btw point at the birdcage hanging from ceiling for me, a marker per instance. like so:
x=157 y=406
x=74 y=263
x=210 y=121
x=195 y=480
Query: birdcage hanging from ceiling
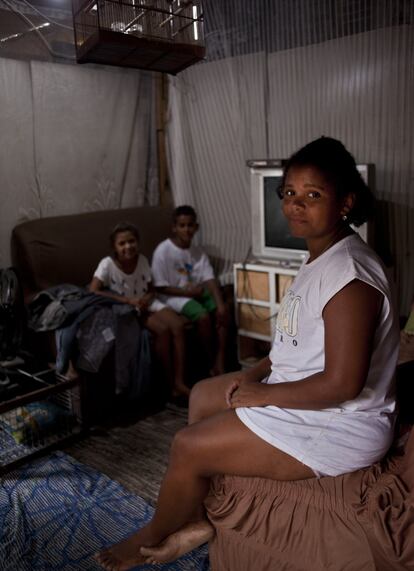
x=160 y=35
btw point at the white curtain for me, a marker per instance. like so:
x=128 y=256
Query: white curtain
x=73 y=139
x=279 y=74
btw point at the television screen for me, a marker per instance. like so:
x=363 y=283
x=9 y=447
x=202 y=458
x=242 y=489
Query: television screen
x=271 y=238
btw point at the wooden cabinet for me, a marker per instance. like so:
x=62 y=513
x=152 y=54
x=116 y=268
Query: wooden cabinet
x=259 y=289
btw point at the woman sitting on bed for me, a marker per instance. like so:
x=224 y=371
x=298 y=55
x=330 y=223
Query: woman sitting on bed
x=322 y=403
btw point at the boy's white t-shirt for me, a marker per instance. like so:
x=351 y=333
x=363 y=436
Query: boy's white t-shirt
x=355 y=433
x=177 y=267
x=128 y=285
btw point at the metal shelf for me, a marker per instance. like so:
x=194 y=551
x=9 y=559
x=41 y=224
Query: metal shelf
x=40 y=410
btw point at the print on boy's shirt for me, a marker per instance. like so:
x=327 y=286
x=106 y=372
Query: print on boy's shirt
x=189 y=269
x=185 y=271
x=287 y=318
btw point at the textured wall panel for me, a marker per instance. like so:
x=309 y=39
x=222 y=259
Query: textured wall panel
x=358 y=88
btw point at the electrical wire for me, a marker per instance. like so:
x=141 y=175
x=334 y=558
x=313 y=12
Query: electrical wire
x=34 y=29
x=47 y=17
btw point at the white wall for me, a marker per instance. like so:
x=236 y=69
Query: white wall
x=73 y=139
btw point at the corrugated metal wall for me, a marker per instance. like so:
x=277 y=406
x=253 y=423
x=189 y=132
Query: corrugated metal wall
x=291 y=73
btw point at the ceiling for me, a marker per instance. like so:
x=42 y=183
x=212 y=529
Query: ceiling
x=19 y=38
x=232 y=27
x=43 y=29
x=59 y=5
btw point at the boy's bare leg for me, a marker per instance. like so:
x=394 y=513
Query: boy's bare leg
x=175 y=324
x=220 y=444
x=162 y=342
x=71 y=372
x=212 y=337
x=167 y=332
x=220 y=362
x=205 y=334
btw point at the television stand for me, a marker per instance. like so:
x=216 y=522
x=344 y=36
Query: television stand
x=276 y=262
x=259 y=287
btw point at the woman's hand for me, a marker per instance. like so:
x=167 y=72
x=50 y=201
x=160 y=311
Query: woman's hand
x=248 y=394
x=246 y=388
x=251 y=376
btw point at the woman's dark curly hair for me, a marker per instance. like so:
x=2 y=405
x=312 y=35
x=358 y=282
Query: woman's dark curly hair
x=337 y=164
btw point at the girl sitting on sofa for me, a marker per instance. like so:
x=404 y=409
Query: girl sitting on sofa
x=126 y=277
x=322 y=403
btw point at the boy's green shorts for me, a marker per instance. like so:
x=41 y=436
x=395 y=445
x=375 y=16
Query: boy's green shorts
x=194 y=309
x=409 y=326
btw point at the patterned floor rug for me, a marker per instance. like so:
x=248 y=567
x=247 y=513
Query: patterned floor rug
x=134 y=453
x=55 y=513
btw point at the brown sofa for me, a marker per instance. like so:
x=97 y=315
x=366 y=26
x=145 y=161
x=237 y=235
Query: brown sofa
x=67 y=249
x=361 y=521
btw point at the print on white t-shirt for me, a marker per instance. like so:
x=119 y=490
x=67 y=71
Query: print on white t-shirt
x=287 y=318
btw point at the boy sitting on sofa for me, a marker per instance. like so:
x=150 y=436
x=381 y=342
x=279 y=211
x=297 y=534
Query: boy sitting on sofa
x=184 y=280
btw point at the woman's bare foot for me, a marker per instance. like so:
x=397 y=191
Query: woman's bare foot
x=182 y=541
x=123 y=555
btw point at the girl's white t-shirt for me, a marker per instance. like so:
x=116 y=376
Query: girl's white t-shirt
x=135 y=284
x=358 y=432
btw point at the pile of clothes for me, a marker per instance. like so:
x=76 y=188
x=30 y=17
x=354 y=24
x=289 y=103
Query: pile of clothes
x=87 y=326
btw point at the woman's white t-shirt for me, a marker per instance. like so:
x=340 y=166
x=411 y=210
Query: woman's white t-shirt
x=129 y=285
x=358 y=432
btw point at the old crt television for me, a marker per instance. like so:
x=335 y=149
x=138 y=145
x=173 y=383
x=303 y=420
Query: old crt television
x=271 y=238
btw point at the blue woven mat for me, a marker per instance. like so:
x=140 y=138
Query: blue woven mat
x=56 y=513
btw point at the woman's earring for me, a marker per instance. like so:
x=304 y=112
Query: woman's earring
x=344 y=217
